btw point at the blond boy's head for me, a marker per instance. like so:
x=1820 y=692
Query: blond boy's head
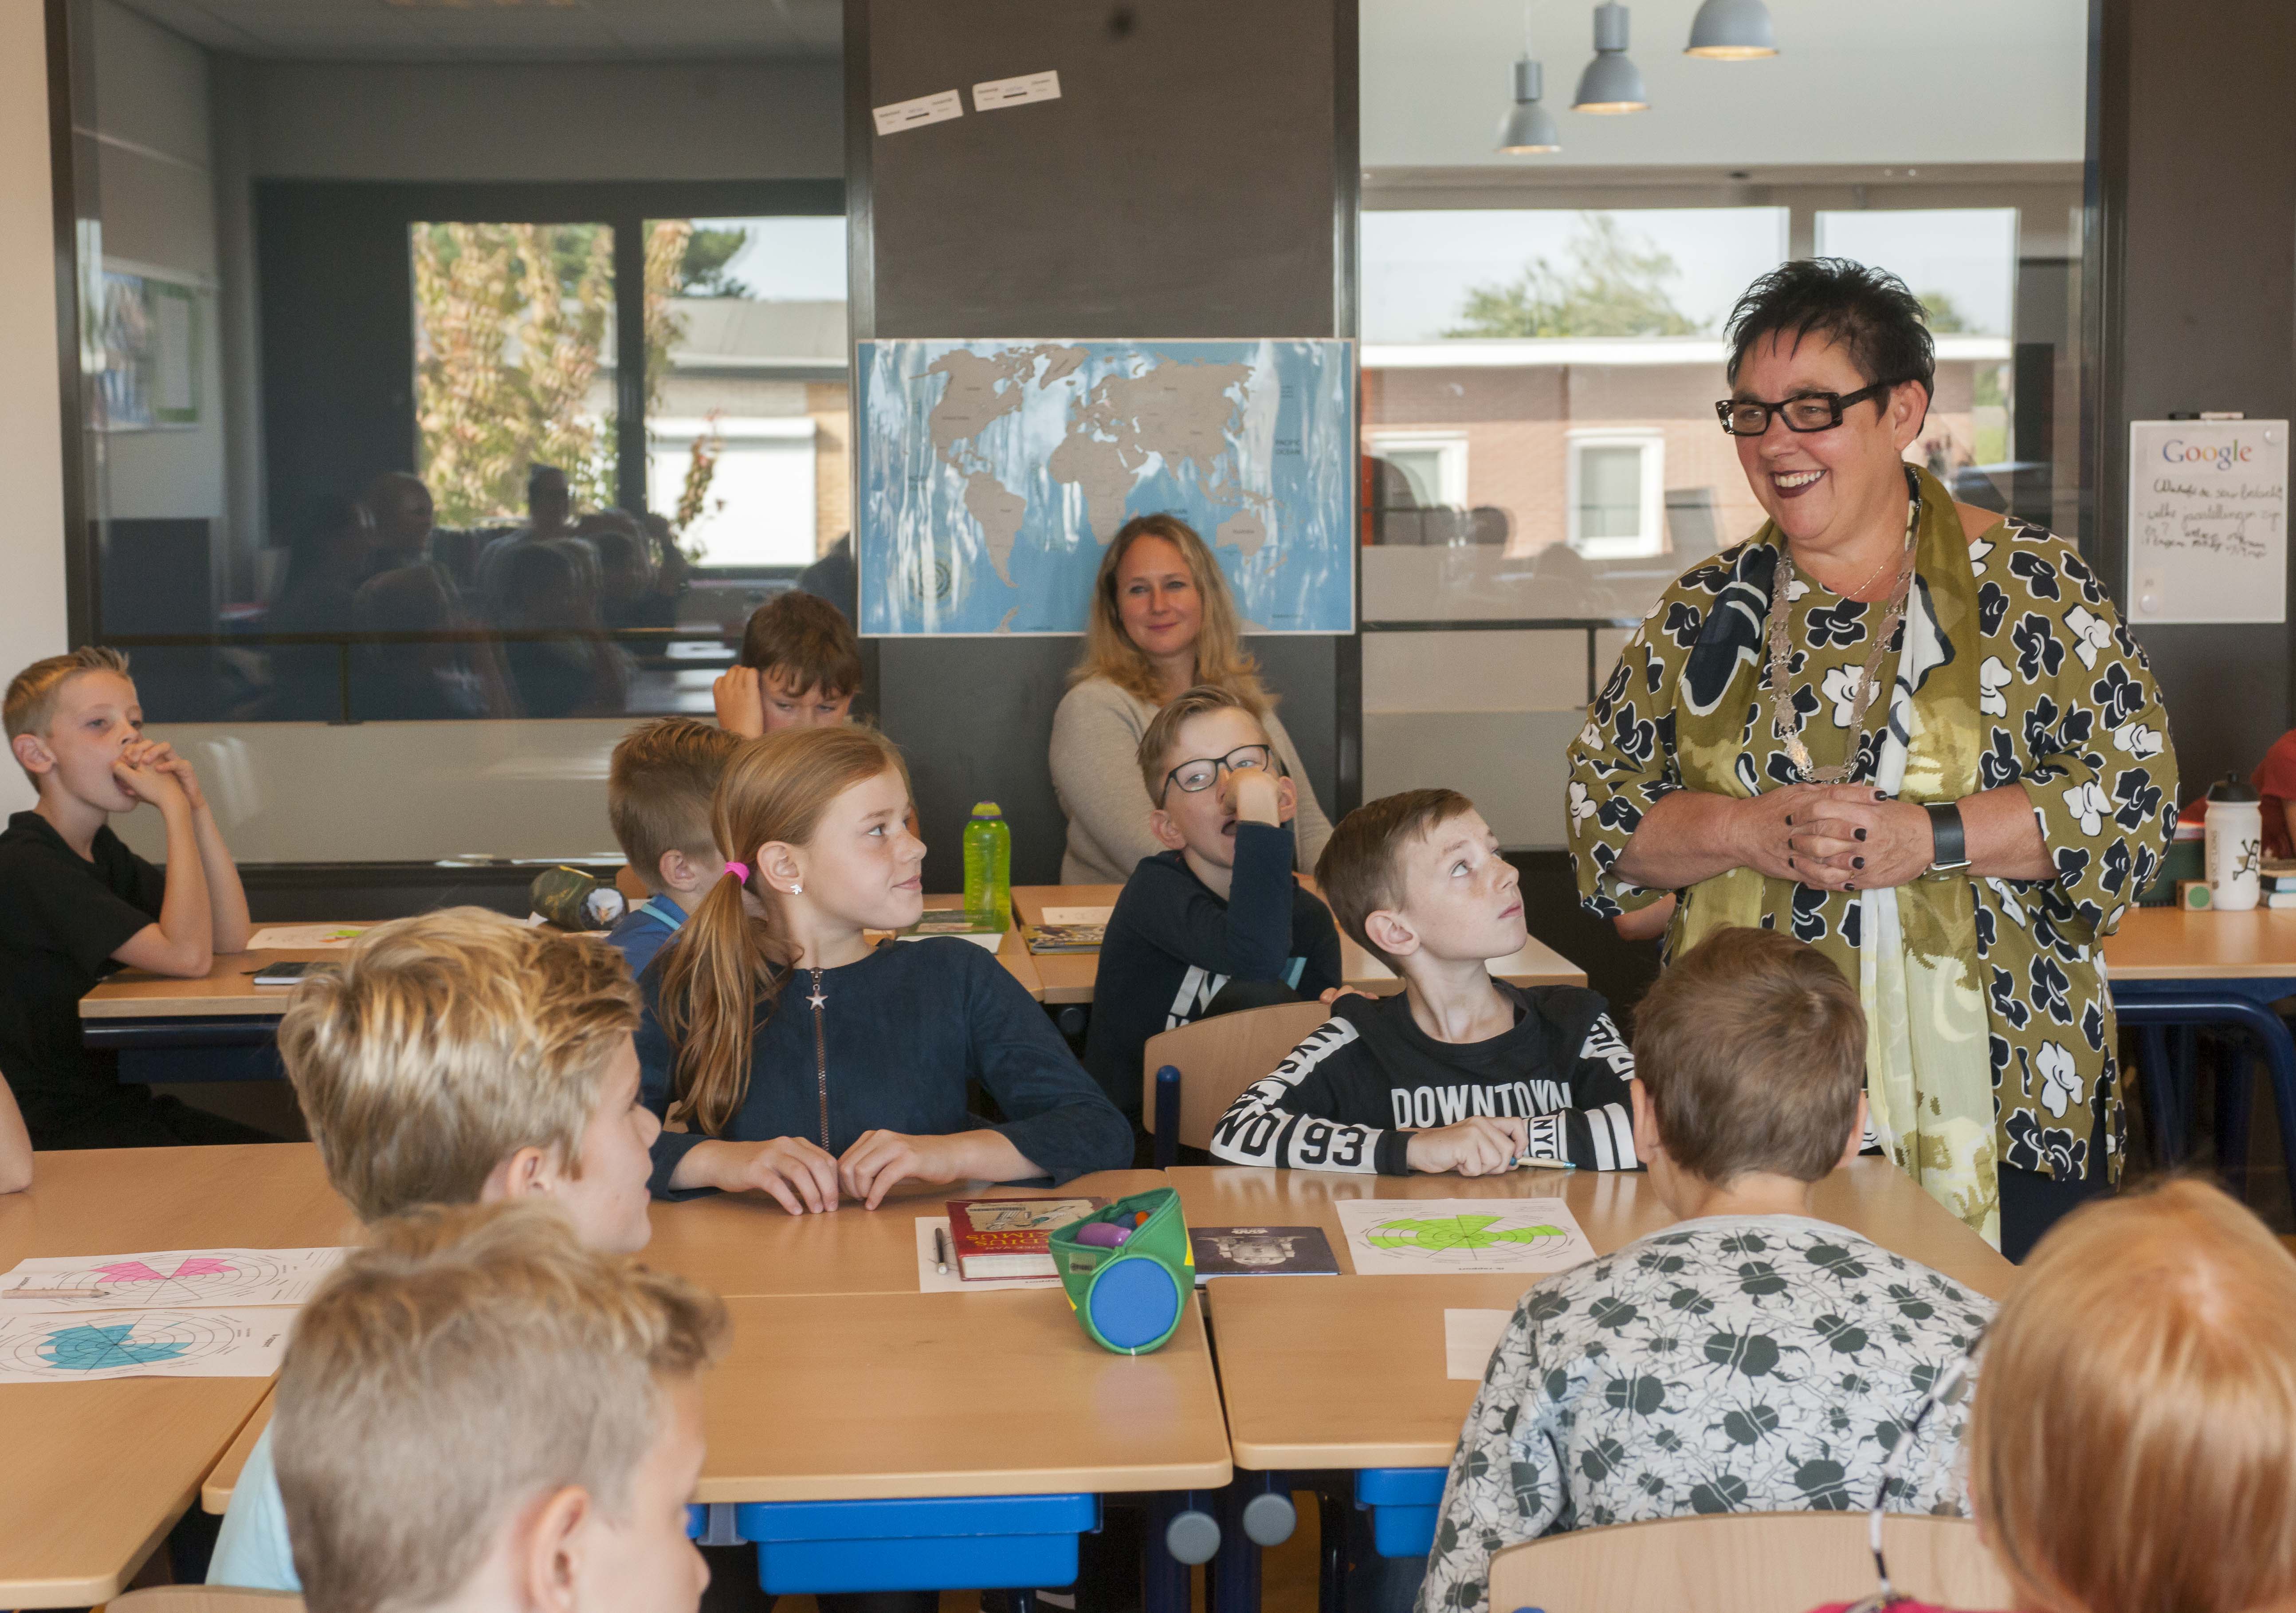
x=2134 y=1442
x=1417 y=876
x=1750 y=1055
x=461 y=1055
x=90 y=691
x=807 y=658
x=476 y=1394
x=657 y=790
x=1194 y=746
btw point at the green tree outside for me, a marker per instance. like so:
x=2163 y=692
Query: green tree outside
x=1615 y=283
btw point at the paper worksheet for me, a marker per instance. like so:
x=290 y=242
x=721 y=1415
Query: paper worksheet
x=929 y=1281
x=172 y=1278
x=1422 y=1236
x=303 y=937
x=1077 y=915
x=1469 y=1337
x=53 y=1347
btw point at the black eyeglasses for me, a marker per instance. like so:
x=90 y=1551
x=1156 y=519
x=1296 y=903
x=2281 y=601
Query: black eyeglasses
x=1204 y=771
x=1803 y=412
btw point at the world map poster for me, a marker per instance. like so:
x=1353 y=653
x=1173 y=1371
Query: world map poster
x=991 y=475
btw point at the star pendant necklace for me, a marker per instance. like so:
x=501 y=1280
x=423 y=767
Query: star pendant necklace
x=1785 y=721
x=817 y=1000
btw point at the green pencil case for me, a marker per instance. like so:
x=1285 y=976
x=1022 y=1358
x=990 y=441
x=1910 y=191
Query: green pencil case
x=1128 y=1297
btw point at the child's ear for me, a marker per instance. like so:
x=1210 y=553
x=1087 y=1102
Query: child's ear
x=32 y=752
x=529 y=1170
x=1856 y=1134
x=1390 y=933
x=674 y=871
x=1287 y=799
x=778 y=866
x=547 y=1548
x=1647 y=1147
x=1167 y=833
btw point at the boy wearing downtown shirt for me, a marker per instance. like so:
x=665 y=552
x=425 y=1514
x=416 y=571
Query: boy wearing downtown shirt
x=1456 y=1071
x=1217 y=922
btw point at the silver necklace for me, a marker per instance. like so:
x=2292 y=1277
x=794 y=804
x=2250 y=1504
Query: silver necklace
x=1785 y=720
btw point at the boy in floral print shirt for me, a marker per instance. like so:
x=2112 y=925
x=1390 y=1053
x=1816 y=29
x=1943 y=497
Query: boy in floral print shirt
x=1751 y=1358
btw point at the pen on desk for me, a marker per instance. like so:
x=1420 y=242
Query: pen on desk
x=940 y=1250
x=1544 y=1165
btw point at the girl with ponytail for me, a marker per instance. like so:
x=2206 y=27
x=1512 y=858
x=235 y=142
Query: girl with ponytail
x=810 y=1065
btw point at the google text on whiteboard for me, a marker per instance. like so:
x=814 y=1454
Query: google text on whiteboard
x=2208 y=521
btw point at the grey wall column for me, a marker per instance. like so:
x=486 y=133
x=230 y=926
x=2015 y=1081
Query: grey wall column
x=1197 y=178
x=2190 y=287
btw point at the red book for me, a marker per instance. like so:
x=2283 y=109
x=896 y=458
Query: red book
x=997 y=1239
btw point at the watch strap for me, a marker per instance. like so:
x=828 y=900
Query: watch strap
x=1952 y=842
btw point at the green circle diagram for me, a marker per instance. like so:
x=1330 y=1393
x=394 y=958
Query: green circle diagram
x=1441 y=1235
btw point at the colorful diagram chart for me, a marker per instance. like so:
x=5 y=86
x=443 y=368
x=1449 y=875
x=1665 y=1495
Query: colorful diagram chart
x=168 y=1277
x=1428 y=1236
x=68 y=1349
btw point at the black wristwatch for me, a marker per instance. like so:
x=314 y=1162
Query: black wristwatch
x=1951 y=853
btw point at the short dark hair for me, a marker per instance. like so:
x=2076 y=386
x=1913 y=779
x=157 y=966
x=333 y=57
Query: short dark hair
x=808 y=641
x=1358 y=872
x=1880 y=325
x=1752 y=1048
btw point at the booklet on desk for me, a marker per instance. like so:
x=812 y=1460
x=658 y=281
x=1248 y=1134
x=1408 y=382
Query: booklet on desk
x=1262 y=1252
x=985 y=930
x=1063 y=937
x=999 y=1238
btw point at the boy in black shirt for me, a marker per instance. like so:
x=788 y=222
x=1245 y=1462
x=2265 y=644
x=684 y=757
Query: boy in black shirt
x=76 y=903
x=1217 y=922
x=1457 y=1072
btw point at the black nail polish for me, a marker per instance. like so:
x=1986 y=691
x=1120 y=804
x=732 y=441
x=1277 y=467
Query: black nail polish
x=1789 y=820
x=1861 y=834
x=1878 y=795
x=1856 y=862
x=1790 y=862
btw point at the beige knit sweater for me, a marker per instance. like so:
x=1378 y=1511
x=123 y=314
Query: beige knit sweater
x=1096 y=775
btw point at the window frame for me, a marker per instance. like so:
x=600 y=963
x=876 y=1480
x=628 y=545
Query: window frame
x=1450 y=462
x=1652 y=440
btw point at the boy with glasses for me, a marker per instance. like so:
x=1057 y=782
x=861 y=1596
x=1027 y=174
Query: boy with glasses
x=1216 y=922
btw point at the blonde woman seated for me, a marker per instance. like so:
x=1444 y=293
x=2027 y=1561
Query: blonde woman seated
x=2133 y=1446
x=1162 y=620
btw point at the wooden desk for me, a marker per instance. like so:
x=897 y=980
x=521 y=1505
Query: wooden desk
x=2169 y=944
x=877 y=1395
x=746 y=1246
x=215 y=1495
x=135 y=1000
x=1069 y=977
x=98 y=1473
x=1348 y=1372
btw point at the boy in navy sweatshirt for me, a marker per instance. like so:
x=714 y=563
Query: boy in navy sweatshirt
x=1217 y=922
x=1457 y=1072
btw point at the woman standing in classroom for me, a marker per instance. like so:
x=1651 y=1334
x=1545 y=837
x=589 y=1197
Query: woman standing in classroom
x=1162 y=620
x=1905 y=731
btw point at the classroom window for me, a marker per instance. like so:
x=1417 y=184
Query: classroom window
x=1616 y=494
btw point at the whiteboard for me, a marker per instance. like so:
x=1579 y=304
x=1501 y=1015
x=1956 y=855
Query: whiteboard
x=2208 y=521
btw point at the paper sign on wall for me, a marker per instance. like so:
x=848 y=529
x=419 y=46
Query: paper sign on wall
x=996 y=93
x=915 y=114
x=2208 y=521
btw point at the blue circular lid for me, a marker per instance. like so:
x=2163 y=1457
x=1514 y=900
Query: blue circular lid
x=1135 y=1303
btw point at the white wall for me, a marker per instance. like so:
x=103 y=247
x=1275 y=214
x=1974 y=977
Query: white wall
x=1855 y=81
x=31 y=440
x=560 y=120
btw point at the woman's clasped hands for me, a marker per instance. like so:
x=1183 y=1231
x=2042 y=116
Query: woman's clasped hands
x=1835 y=837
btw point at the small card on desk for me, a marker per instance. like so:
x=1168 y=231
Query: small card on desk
x=1261 y=1251
x=1063 y=937
x=986 y=930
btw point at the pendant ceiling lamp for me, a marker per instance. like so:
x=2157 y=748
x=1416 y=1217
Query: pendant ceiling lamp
x=1612 y=82
x=1731 y=30
x=1529 y=128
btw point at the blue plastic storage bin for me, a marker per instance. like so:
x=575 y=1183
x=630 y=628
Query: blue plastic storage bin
x=1403 y=1503
x=956 y=1543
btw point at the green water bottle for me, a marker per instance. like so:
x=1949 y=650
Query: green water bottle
x=989 y=862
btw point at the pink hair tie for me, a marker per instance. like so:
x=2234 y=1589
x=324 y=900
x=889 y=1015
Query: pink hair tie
x=739 y=870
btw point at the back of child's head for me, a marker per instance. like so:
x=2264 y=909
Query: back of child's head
x=808 y=641
x=728 y=964
x=1161 y=741
x=2134 y=1442
x=659 y=787
x=466 y=1363
x=1751 y=1047
x=30 y=706
x=1361 y=870
x=444 y=1044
